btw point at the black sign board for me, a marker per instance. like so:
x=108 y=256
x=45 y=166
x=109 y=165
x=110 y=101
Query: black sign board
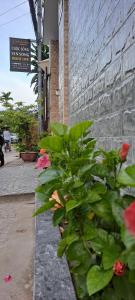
x=20 y=55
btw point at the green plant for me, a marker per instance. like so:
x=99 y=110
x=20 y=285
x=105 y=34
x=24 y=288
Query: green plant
x=85 y=187
x=23 y=121
x=5 y=99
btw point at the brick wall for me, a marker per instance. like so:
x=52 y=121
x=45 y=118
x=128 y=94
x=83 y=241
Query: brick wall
x=102 y=68
x=63 y=60
x=54 y=86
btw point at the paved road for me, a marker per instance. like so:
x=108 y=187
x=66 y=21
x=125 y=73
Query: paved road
x=17 y=177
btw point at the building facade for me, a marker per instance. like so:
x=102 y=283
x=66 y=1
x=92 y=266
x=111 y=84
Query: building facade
x=92 y=66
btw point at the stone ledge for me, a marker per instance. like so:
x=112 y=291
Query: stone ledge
x=52 y=280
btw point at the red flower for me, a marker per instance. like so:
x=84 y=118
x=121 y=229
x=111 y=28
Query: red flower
x=119 y=268
x=124 y=151
x=43 y=162
x=129 y=218
x=7 y=278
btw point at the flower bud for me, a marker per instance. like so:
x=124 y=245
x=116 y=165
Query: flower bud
x=119 y=268
x=124 y=151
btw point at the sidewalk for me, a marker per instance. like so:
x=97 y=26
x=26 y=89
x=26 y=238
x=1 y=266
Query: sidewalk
x=17 y=177
x=11 y=156
x=17 y=227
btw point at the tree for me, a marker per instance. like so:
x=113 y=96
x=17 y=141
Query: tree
x=34 y=64
x=5 y=99
x=23 y=121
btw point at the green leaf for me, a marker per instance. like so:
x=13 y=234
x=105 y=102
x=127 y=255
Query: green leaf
x=93 y=196
x=117 y=212
x=127 y=199
x=97 y=279
x=127 y=238
x=84 y=170
x=109 y=294
x=90 y=232
x=127 y=176
x=131 y=260
x=72 y=204
x=102 y=240
x=103 y=210
x=41 y=196
x=99 y=188
x=44 y=208
x=79 y=129
x=52 y=143
x=59 y=128
x=74 y=252
x=58 y=216
x=132 y=276
x=66 y=242
x=131 y=171
x=91 y=144
x=99 y=170
x=77 y=252
x=124 y=288
x=83 y=267
x=77 y=163
x=111 y=196
x=78 y=184
x=49 y=175
x=71 y=238
x=81 y=288
x=61 y=247
x=110 y=255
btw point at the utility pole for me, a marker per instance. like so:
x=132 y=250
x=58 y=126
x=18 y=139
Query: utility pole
x=33 y=15
x=39 y=50
x=36 y=15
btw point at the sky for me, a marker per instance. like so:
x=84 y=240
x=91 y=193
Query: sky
x=16 y=82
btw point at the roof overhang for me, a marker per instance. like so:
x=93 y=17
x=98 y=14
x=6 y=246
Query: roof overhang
x=50 y=21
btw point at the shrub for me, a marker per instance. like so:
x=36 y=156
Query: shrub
x=85 y=188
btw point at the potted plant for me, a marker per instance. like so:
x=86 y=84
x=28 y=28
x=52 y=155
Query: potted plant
x=28 y=146
x=22 y=120
x=27 y=129
x=87 y=189
x=28 y=153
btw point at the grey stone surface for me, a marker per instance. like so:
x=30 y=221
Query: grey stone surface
x=52 y=277
x=18 y=179
x=102 y=67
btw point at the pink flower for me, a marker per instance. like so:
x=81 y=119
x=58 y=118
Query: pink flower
x=119 y=268
x=43 y=162
x=7 y=278
x=129 y=218
x=124 y=151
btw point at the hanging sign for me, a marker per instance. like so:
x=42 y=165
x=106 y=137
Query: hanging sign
x=20 y=55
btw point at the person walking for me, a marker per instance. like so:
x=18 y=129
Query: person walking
x=7 y=138
x=1 y=152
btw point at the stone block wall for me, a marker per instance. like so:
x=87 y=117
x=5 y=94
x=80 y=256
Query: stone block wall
x=102 y=68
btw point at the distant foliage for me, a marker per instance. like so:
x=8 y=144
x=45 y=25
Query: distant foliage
x=21 y=119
